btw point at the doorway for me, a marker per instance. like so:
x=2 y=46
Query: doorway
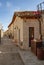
x=31 y=35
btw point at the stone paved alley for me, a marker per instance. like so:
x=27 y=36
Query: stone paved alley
x=10 y=54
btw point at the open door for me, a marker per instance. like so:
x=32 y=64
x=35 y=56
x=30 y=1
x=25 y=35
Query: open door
x=31 y=35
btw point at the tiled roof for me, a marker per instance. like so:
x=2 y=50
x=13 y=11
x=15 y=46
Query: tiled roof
x=23 y=14
x=27 y=13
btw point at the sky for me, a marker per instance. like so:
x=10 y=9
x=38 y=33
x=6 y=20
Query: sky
x=8 y=7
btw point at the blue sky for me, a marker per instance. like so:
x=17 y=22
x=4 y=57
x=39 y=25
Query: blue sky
x=8 y=7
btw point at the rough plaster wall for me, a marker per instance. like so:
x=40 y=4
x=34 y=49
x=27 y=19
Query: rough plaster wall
x=18 y=23
x=43 y=27
x=9 y=30
x=12 y=29
x=1 y=33
x=26 y=25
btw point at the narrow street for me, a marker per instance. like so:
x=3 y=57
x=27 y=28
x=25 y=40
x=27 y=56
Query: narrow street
x=9 y=53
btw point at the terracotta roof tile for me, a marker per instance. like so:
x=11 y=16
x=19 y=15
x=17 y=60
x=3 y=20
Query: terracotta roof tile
x=24 y=14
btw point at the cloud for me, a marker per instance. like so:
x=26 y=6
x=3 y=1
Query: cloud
x=17 y=9
x=8 y=4
x=21 y=9
x=0 y=4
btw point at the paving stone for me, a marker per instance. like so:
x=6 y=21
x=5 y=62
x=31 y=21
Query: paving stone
x=12 y=55
x=29 y=58
x=11 y=59
x=9 y=53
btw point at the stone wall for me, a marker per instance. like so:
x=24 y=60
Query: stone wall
x=42 y=28
x=26 y=24
x=11 y=30
x=2 y=33
x=18 y=29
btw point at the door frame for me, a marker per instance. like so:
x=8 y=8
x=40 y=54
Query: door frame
x=31 y=28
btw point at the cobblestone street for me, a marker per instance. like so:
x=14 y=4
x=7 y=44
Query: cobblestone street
x=9 y=53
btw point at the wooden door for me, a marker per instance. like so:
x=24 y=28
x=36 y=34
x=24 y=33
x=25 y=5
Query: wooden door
x=31 y=35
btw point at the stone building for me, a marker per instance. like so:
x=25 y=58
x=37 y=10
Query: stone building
x=42 y=25
x=25 y=27
x=1 y=30
x=2 y=33
x=10 y=29
x=6 y=33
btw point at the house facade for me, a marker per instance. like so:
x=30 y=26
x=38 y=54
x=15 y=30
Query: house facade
x=1 y=30
x=42 y=26
x=25 y=28
x=6 y=33
x=2 y=33
x=10 y=29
